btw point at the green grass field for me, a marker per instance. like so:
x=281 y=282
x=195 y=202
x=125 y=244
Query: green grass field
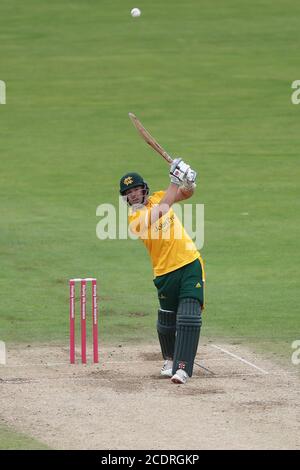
x=11 y=440
x=212 y=81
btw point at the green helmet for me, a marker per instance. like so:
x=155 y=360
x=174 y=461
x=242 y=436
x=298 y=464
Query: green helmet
x=132 y=180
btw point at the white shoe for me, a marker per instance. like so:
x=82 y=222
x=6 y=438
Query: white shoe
x=180 y=377
x=166 y=369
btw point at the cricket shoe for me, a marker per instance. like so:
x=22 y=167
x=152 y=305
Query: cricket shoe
x=166 y=369
x=180 y=377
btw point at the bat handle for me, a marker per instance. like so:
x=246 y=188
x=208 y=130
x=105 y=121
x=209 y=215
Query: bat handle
x=168 y=158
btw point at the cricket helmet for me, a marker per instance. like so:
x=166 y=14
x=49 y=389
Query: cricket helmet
x=132 y=180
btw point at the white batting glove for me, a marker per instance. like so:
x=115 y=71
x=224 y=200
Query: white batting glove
x=190 y=176
x=189 y=179
x=178 y=171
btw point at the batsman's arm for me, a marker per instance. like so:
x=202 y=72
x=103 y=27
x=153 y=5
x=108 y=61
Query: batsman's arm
x=165 y=204
x=173 y=194
x=180 y=188
x=184 y=193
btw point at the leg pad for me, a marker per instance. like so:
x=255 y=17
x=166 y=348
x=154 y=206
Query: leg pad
x=166 y=329
x=188 y=328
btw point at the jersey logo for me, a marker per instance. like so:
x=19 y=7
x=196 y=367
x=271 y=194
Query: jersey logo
x=128 y=180
x=198 y=285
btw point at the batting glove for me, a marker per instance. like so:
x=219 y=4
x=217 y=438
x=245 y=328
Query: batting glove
x=190 y=176
x=178 y=171
x=189 y=180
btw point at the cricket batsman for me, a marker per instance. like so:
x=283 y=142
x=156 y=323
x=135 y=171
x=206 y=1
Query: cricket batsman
x=177 y=265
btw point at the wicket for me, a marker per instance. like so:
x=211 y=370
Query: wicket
x=83 y=283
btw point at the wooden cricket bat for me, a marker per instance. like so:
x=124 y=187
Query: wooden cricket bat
x=149 y=139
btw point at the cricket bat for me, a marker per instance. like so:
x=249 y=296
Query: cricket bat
x=149 y=139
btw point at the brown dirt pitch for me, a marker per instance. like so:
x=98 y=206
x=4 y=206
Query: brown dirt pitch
x=123 y=403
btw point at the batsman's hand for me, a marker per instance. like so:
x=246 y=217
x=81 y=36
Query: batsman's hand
x=189 y=180
x=178 y=171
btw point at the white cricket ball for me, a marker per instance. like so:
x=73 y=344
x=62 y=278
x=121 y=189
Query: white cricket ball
x=135 y=12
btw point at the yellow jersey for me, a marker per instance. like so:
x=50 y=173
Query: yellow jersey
x=168 y=244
